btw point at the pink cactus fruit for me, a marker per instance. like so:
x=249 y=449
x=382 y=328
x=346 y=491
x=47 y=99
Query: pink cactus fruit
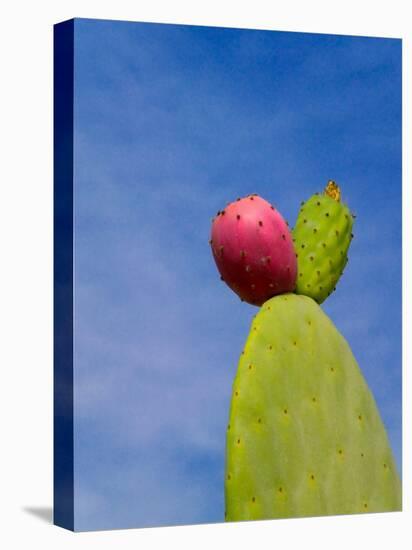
x=253 y=250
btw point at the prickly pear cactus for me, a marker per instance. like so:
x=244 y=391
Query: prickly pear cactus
x=304 y=437
x=322 y=235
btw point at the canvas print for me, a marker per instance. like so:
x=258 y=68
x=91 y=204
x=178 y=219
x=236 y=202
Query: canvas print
x=227 y=275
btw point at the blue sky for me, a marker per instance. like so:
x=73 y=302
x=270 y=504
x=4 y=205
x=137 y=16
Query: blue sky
x=171 y=123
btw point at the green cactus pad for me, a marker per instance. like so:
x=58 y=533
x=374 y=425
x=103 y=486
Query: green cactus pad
x=322 y=235
x=304 y=436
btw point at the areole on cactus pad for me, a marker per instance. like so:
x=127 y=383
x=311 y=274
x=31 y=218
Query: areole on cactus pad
x=253 y=250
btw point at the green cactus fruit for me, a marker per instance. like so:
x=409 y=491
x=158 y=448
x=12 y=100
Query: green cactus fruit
x=322 y=235
x=304 y=437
